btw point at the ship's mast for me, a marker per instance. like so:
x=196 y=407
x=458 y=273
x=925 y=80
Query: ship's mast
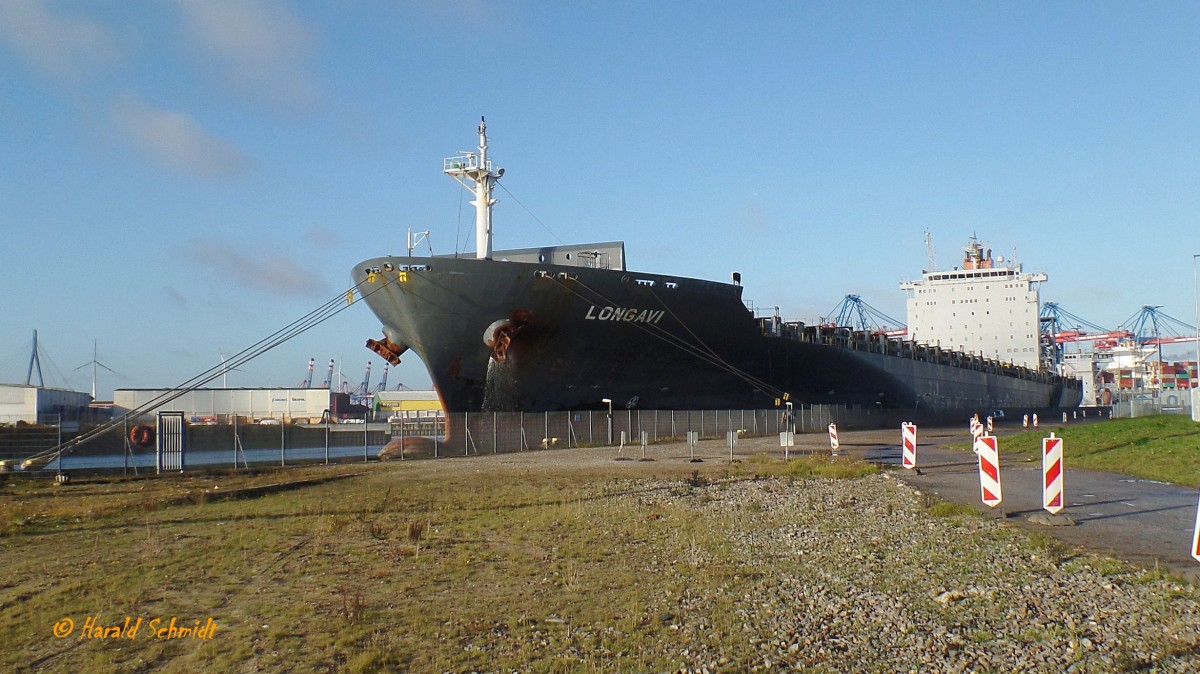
x=474 y=172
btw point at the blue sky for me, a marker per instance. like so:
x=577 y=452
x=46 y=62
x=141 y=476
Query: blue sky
x=183 y=178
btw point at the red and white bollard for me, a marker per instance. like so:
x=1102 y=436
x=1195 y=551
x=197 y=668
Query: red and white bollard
x=833 y=441
x=991 y=425
x=976 y=433
x=989 y=471
x=1025 y=421
x=1035 y=421
x=908 y=452
x=1052 y=474
x=1196 y=536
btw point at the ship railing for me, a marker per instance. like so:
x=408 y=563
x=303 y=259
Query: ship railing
x=861 y=340
x=595 y=260
x=463 y=162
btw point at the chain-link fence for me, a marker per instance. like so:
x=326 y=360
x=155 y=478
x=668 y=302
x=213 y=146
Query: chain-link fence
x=232 y=442
x=498 y=432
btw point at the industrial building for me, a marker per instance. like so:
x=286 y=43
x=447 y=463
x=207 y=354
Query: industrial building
x=38 y=404
x=253 y=405
x=408 y=405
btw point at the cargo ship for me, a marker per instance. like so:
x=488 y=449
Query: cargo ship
x=569 y=327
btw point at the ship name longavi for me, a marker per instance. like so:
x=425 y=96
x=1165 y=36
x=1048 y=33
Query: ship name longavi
x=630 y=315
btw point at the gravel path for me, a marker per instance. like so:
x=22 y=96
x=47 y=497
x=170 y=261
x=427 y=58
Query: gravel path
x=861 y=575
x=855 y=575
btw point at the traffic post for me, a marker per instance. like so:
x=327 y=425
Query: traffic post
x=833 y=441
x=976 y=433
x=1052 y=474
x=1196 y=536
x=908 y=453
x=989 y=471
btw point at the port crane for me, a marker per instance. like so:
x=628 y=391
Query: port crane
x=307 y=383
x=1064 y=327
x=1154 y=328
x=853 y=312
x=362 y=388
x=1147 y=327
x=383 y=380
x=328 y=376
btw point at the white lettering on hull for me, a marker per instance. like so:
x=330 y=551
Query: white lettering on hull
x=626 y=315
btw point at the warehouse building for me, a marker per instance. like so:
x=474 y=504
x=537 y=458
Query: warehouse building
x=407 y=405
x=252 y=405
x=38 y=405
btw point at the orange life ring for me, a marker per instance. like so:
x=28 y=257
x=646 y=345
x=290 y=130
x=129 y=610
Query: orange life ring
x=141 y=435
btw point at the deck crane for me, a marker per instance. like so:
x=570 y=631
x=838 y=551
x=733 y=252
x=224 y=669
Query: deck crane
x=307 y=383
x=853 y=312
x=328 y=376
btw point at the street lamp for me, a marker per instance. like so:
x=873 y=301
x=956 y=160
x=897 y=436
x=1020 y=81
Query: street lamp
x=609 y=401
x=1196 y=298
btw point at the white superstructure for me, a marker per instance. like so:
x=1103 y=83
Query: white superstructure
x=983 y=307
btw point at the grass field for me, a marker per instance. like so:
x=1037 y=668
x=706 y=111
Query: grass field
x=405 y=566
x=495 y=564
x=1164 y=447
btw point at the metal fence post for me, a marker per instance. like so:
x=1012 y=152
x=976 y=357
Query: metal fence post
x=235 y=441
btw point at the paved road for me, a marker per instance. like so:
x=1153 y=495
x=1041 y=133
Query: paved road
x=1141 y=521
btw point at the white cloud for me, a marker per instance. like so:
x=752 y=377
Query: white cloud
x=270 y=272
x=57 y=45
x=260 y=47
x=324 y=238
x=175 y=140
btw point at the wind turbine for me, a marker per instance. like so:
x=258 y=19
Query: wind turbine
x=225 y=370
x=343 y=385
x=95 y=363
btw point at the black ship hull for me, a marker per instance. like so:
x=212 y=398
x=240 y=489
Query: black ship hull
x=501 y=335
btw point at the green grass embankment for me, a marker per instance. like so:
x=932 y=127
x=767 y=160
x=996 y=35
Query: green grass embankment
x=1164 y=447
